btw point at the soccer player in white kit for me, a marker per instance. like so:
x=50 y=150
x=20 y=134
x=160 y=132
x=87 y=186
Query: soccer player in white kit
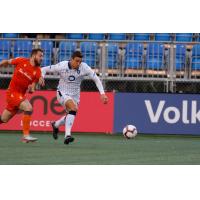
x=68 y=91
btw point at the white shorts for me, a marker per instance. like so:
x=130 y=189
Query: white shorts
x=63 y=98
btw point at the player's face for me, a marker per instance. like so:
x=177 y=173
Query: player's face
x=75 y=62
x=38 y=58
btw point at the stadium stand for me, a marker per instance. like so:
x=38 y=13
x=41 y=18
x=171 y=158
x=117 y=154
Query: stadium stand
x=162 y=37
x=184 y=37
x=96 y=36
x=117 y=36
x=75 y=36
x=112 y=58
x=47 y=46
x=10 y=35
x=195 y=60
x=156 y=56
x=180 y=60
x=180 y=56
x=65 y=50
x=5 y=49
x=134 y=63
x=90 y=54
x=141 y=36
x=197 y=37
x=155 y=59
x=22 y=48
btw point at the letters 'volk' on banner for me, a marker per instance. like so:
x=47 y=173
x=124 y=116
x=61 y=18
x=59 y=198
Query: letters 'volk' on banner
x=92 y=116
x=158 y=113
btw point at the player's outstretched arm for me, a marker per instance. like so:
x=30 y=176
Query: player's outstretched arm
x=52 y=68
x=99 y=85
x=5 y=63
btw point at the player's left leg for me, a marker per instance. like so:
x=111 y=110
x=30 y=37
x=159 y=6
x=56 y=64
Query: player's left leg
x=55 y=124
x=28 y=110
x=72 y=108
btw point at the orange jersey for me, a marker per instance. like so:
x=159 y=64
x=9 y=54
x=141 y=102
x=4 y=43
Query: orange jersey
x=24 y=75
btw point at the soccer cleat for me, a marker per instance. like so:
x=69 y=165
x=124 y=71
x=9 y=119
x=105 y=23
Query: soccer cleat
x=55 y=131
x=68 y=139
x=27 y=139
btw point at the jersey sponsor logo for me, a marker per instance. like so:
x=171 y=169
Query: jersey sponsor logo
x=25 y=74
x=71 y=78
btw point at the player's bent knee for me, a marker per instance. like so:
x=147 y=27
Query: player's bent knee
x=3 y=120
x=72 y=108
x=75 y=109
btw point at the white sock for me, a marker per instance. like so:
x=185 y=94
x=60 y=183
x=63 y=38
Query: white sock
x=59 y=122
x=68 y=124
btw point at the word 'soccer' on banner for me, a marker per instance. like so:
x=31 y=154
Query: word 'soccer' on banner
x=92 y=116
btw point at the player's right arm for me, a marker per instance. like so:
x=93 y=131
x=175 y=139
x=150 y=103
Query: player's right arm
x=13 y=61
x=53 y=68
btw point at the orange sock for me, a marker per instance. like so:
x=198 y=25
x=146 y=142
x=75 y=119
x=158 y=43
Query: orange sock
x=26 y=124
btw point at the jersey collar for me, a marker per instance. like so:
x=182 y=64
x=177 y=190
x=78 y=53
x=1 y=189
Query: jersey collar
x=69 y=65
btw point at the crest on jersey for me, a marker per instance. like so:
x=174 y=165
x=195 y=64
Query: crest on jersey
x=71 y=78
x=34 y=73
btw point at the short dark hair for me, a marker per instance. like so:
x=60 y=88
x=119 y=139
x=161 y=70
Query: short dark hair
x=77 y=54
x=34 y=51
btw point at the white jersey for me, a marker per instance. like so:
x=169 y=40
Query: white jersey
x=70 y=79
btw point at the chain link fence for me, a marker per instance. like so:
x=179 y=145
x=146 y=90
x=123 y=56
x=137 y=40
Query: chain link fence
x=123 y=66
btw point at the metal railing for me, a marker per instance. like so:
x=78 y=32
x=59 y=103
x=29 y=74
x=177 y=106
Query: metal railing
x=118 y=63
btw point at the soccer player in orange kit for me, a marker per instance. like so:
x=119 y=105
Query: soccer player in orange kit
x=26 y=74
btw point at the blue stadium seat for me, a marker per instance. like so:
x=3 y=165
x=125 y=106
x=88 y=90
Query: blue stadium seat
x=184 y=37
x=96 y=36
x=180 y=61
x=65 y=50
x=75 y=36
x=10 y=35
x=112 y=55
x=47 y=46
x=198 y=37
x=155 y=56
x=196 y=57
x=162 y=37
x=133 y=55
x=5 y=49
x=141 y=36
x=22 y=48
x=89 y=51
x=117 y=36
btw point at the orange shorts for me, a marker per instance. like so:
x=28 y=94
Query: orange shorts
x=14 y=100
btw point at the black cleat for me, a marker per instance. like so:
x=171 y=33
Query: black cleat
x=55 y=131
x=68 y=139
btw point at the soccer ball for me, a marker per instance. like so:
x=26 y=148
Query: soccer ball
x=129 y=131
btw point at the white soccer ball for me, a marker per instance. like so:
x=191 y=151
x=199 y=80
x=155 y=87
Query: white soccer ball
x=129 y=131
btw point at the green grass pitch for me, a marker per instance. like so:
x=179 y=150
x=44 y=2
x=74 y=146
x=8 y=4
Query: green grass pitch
x=95 y=149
